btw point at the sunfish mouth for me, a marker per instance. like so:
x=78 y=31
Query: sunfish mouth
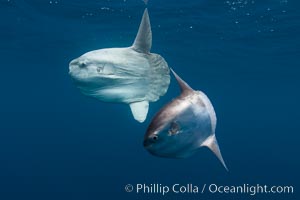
x=73 y=62
x=147 y=144
x=149 y=141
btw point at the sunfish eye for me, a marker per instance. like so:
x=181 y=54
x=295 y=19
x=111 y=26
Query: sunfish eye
x=174 y=128
x=155 y=137
x=82 y=65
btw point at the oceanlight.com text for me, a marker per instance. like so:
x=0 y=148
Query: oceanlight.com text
x=246 y=189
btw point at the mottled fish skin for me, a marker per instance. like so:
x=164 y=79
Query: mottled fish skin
x=183 y=126
x=130 y=75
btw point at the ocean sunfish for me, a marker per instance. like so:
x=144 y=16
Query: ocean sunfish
x=183 y=126
x=130 y=75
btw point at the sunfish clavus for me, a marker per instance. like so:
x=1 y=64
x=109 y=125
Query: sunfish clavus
x=183 y=126
x=130 y=75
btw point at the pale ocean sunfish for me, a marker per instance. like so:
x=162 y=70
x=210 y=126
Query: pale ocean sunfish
x=183 y=126
x=130 y=75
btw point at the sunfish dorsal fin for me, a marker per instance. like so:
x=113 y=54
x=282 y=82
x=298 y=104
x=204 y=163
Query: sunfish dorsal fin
x=139 y=110
x=185 y=88
x=212 y=144
x=143 y=39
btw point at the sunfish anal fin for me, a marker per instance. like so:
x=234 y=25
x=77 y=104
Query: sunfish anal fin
x=143 y=40
x=139 y=110
x=212 y=144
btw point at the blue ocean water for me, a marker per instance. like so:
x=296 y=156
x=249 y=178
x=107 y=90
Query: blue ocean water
x=56 y=143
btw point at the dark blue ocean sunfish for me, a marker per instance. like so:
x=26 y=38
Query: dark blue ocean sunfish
x=130 y=75
x=183 y=126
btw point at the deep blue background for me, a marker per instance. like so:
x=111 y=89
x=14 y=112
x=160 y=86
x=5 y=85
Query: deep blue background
x=56 y=143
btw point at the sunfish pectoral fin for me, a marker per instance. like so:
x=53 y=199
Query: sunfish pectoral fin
x=139 y=110
x=143 y=40
x=212 y=144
